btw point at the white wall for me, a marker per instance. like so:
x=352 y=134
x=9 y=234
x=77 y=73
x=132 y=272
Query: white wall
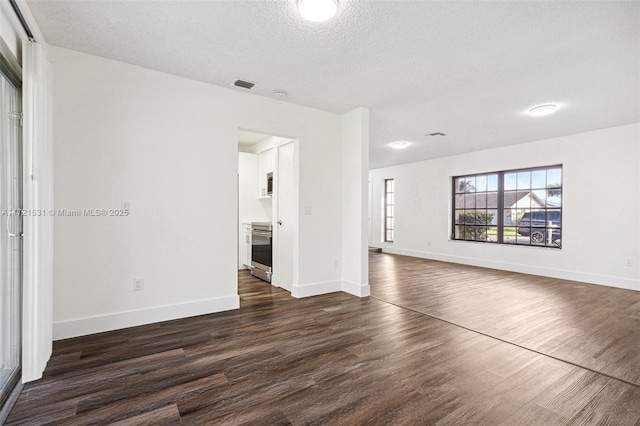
x=601 y=191
x=169 y=146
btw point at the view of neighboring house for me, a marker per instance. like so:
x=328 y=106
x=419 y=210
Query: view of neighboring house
x=516 y=203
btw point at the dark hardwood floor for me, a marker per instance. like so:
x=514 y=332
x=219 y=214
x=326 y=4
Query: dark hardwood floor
x=338 y=359
x=592 y=326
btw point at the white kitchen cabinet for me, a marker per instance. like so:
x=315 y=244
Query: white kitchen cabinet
x=265 y=165
x=246 y=245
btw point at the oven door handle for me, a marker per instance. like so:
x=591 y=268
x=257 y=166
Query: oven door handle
x=261 y=233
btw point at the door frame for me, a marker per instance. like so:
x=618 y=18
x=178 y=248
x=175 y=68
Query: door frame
x=12 y=71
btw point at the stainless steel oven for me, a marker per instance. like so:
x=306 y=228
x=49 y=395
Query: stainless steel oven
x=261 y=250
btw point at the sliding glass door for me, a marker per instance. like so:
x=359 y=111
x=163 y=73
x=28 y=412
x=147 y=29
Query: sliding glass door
x=10 y=236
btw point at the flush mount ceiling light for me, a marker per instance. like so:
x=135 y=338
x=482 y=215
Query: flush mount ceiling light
x=399 y=144
x=317 y=10
x=540 y=110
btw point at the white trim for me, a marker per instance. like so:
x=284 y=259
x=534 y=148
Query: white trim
x=315 y=289
x=37 y=287
x=101 y=323
x=605 y=280
x=360 y=290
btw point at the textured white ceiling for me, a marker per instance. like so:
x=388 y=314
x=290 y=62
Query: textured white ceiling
x=467 y=69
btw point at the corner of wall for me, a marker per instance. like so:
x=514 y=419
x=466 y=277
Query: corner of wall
x=359 y=290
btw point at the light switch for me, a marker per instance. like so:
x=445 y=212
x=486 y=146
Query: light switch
x=307 y=210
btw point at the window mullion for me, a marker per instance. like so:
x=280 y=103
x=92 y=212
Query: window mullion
x=500 y=234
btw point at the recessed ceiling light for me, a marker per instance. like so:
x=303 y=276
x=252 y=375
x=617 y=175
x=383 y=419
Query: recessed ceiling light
x=317 y=10
x=540 y=110
x=399 y=144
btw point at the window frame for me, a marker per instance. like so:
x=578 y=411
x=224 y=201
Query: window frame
x=386 y=228
x=500 y=207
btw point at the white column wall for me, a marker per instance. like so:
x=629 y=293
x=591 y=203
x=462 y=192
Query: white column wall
x=355 y=198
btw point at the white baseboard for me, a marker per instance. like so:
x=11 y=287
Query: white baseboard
x=609 y=281
x=315 y=289
x=360 y=290
x=118 y=320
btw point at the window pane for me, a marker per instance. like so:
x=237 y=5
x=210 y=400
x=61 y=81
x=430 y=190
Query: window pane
x=492 y=234
x=469 y=217
x=524 y=180
x=492 y=200
x=460 y=216
x=470 y=233
x=509 y=235
x=459 y=201
x=481 y=233
x=522 y=217
x=554 y=218
x=510 y=199
x=554 y=198
x=470 y=201
x=523 y=200
x=509 y=217
x=538 y=198
x=539 y=179
x=481 y=200
x=459 y=232
x=492 y=217
x=466 y=184
x=509 y=181
x=554 y=178
x=556 y=239
x=492 y=183
x=481 y=183
x=482 y=218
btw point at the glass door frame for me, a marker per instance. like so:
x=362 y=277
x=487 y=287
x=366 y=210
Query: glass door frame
x=12 y=222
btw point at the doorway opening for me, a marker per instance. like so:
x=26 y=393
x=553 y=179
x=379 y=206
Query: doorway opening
x=267 y=209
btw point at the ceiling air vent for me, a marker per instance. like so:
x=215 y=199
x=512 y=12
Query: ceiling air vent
x=244 y=84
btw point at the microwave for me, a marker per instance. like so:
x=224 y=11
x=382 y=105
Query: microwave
x=270 y=183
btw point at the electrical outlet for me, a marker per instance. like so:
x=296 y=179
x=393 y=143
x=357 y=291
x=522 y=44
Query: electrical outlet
x=628 y=262
x=336 y=263
x=138 y=284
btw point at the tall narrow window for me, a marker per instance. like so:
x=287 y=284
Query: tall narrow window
x=388 y=210
x=510 y=207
